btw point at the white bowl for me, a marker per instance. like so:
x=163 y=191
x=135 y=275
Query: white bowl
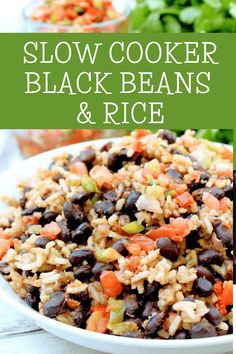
x=97 y=341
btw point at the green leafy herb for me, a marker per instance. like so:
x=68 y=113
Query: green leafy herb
x=184 y=16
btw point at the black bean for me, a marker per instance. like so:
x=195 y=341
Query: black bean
x=80 y=318
x=4 y=268
x=55 y=304
x=173 y=174
x=83 y=254
x=65 y=233
x=33 y=290
x=82 y=233
x=149 y=309
x=32 y=301
x=47 y=217
x=154 y=324
x=56 y=178
x=129 y=206
x=151 y=292
x=214 y=316
x=138 y=322
x=209 y=256
x=204 y=178
x=203 y=286
x=119 y=246
x=41 y=242
x=134 y=335
x=224 y=234
x=80 y=197
x=104 y=208
x=114 y=162
x=82 y=297
x=228 y=191
x=73 y=214
x=192 y=239
x=111 y=196
x=131 y=305
x=215 y=191
x=202 y=329
x=24 y=238
x=124 y=154
x=87 y=156
x=168 y=135
x=83 y=273
x=99 y=268
x=181 y=335
x=203 y=272
x=168 y=249
x=31 y=211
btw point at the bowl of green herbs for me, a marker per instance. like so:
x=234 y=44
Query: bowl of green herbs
x=180 y=16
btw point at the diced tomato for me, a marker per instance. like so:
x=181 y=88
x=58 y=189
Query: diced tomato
x=4 y=235
x=119 y=230
x=94 y=11
x=29 y=220
x=138 y=147
x=98 y=321
x=146 y=243
x=98 y=308
x=79 y=168
x=180 y=188
x=177 y=229
x=51 y=230
x=226 y=224
x=139 y=177
x=185 y=200
x=134 y=263
x=5 y=245
x=140 y=133
x=218 y=287
x=163 y=180
x=101 y=175
x=111 y=285
x=72 y=304
x=224 y=169
x=133 y=248
x=71 y=14
x=225 y=296
x=227 y=154
x=147 y=173
x=196 y=175
x=210 y=201
x=224 y=204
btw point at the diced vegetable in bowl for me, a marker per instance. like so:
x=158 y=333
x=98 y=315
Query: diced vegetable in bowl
x=77 y=16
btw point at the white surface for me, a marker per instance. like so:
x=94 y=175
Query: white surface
x=9 y=152
x=10 y=15
x=111 y=344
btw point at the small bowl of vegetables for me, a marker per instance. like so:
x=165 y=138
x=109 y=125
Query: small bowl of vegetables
x=82 y=16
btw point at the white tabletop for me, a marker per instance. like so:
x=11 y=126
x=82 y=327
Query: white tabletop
x=10 y=15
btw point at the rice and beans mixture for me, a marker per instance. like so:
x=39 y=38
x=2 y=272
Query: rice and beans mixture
x=133 y=239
